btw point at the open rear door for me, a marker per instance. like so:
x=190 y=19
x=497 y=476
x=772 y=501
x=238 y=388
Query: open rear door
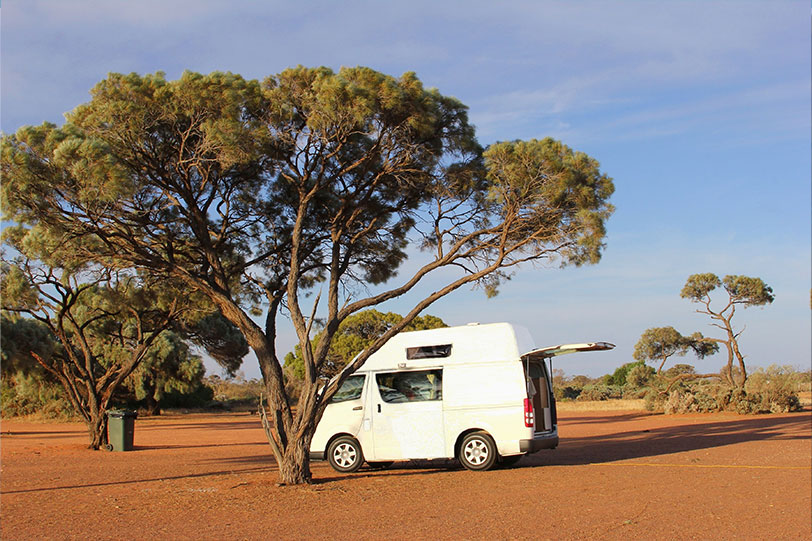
x=539 y=379
x=563 y=349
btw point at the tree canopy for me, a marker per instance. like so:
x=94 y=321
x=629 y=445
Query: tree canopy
x=257 y=194
x=658 y=344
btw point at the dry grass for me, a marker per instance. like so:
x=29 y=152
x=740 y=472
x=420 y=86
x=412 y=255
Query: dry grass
x=601 y=405
x=805 y=397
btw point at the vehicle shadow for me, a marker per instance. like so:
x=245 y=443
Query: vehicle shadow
x=658 y=441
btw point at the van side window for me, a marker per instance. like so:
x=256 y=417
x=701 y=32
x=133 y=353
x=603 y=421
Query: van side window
x=349 y=390
x=417 y=386
x=428 y=352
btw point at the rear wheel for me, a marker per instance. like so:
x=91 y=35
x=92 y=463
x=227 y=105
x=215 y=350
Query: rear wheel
x=344 y=454
x=478 y=451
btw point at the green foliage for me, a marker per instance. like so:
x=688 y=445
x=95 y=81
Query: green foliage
x=20 y=337
x=618 y=377
x=549 y=174
x=639 y=376
x=595 y=392
x=23 y=393
x=677 y=370
x=167 y=366
x=766 y=395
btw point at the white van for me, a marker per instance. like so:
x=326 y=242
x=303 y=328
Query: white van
x=479 y=393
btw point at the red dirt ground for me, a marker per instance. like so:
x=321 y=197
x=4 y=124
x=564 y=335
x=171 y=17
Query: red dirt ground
x=616 y=475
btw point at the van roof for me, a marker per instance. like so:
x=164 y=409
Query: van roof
x=493 y=342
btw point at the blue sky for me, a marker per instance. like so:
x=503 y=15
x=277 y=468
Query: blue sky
x=700 y=111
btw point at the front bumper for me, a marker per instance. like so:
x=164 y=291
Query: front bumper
x=543 y=440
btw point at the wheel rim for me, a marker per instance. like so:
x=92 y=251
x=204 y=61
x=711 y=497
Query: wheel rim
x=345 y=455
x=476 y=452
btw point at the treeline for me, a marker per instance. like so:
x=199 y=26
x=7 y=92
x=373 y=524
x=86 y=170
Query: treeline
x=680 y=389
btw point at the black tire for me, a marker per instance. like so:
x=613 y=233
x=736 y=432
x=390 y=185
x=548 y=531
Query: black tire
x=380 y=465
x=344 y=454
x=478 y=451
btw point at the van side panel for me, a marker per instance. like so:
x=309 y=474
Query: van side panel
x=488 y=397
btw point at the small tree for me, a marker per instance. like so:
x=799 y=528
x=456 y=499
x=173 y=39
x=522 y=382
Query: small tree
x=659 y=343
x=101 y=330
x=741 y=290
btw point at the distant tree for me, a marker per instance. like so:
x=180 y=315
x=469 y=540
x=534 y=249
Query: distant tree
x=618 y=377
x=658 y=344
x=354 y=334
x=169 y=365
x=679 y=369
x=580 y=381
x=258 y=194
x=639 y=376
x=741 y=291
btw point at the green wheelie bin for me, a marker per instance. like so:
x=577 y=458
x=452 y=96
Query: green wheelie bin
x=120 y=430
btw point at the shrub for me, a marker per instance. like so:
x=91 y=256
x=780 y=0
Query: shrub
x=28 y=394
x=600 y=392
x=706 y=397
x=639 y=376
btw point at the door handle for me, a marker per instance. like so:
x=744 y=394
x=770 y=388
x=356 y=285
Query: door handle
x=357 y=408
x=379 y=408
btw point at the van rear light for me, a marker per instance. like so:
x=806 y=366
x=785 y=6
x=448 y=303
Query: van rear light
x=529 y=416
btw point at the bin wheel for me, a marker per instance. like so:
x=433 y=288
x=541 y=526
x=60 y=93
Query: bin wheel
x=108 y=447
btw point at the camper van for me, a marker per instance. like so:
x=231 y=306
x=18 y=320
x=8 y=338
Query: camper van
x=479 y=393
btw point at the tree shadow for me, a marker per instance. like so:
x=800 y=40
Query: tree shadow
x=136 y=481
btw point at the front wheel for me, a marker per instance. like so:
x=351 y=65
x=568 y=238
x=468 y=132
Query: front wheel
x=344 y=454
x=478 y=451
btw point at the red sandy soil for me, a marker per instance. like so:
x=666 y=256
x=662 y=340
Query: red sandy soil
x=616 y=475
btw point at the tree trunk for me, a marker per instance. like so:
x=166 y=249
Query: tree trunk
x=152 y=405
x=97 y=428
x=295 y=466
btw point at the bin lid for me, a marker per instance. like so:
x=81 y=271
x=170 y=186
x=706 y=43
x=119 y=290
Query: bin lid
x=122 y=413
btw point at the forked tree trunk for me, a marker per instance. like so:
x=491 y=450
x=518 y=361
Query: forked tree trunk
x=294 y=469
x=97 y=428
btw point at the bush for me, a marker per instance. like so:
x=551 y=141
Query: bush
x=566 y=393
x=639 y=376
x=707 y=397
x=600 y=392
x=27 y=394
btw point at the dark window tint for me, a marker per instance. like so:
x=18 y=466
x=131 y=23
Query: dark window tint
x=350 y=389
x=428 y=352
x=417 y=386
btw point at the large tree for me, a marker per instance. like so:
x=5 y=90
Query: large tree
x=258 y=194
x=742 y=291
